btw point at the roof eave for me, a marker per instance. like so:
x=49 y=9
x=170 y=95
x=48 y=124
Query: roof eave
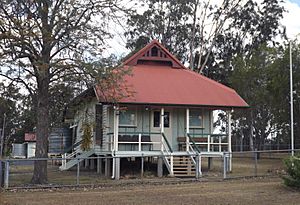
x=181 y=105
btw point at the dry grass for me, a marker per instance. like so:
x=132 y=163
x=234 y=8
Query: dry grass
x=243 y=165
x=21 y=176
x=238 y=191
x=243 y=191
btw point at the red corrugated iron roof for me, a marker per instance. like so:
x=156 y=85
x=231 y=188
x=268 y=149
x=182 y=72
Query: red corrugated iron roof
x=165 y=84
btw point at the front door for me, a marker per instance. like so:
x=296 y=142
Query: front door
x=155 y=123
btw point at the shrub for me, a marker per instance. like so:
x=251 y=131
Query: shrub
x=293 y=170
x=87 y=136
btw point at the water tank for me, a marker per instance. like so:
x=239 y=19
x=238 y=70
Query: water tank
x=31 y=149
x=19 y=150
x=60 y=139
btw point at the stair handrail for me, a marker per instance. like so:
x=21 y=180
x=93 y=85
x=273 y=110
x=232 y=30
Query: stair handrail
x=193 y=143
x=73 y=146
x=72 y=154
x=193 y=148
x=66 y=156
x=78 y=158
x=168 y=149
x=167 y=142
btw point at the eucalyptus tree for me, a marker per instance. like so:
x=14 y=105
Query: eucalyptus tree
x=164 y=20
x=251 y=25
x=43 y=42
x=207 y=35
x=9 y=113
x=251 y=79
x=279 y=86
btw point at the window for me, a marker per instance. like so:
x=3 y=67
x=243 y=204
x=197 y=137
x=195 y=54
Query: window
x=127 y=118
x=156 y=119
x=196 y=119
x=157 y=116
x=154 y=51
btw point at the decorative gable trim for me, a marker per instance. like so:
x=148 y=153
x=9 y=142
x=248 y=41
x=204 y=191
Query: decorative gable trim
x=154 y=53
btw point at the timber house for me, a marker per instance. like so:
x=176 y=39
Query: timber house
x=169 y=117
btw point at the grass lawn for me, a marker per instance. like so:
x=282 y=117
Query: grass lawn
x=238 y=191
x=243 y=165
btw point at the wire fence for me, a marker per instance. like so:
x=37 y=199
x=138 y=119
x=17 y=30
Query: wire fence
x=236 y=147
x=96 y=170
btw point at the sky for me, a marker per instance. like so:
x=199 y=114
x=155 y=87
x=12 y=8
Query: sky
x=291 y=19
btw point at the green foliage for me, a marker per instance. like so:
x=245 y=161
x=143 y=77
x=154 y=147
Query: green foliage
x=293 y=170
x=279 y=86
x=43 y=43
x=263 y=80
x=251 y=79
x=87 y=128
x=87 y=136
x=252 y=25
x=237 y=28
x=9 y=115
x=162 y=20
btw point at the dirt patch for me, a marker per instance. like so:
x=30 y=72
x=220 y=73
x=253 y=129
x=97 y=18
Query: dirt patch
x=241 y=191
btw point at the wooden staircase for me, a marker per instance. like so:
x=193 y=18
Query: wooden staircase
x=183 y=167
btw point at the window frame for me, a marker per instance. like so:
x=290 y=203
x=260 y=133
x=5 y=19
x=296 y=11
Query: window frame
x=153 y=118
x=201 y=120
x=135 y=118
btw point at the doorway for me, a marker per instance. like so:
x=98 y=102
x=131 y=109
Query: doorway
x=155 y=123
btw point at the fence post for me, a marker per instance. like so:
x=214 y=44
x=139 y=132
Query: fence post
x=172 y=164
x=1 y=174
x=197 y=167
x=6 y=174
x=65 y=160
x=224 y=166
x=255 y=165
x=200 y=164
x=78 y=170
x=142 y=166
x=160 y=166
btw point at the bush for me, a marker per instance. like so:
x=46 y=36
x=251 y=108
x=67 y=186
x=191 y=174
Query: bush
x=293 y=170
x=87 y=136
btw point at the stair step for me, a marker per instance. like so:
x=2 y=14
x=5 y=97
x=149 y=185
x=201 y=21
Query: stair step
x=183 y=165
x=184 y=168
x=73 y=161
x=187 y=163
x=184 y=176
x=180 y=161
x=183 y=171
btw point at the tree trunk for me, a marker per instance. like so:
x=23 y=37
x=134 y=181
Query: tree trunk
x=40 y=167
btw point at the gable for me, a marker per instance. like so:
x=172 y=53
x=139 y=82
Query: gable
x=154 y=54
